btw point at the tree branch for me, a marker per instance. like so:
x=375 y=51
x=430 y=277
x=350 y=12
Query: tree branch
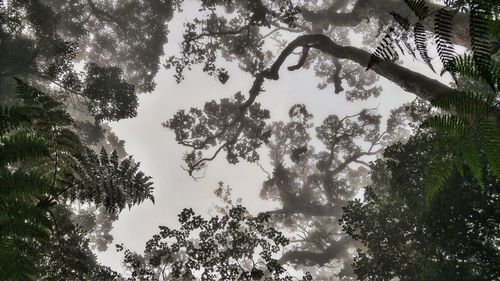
x=411 y=81
x=336 y=249
x=368 y=9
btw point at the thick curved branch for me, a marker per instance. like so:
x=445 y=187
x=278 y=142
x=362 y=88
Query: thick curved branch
x=302 y=60
x=411 y=81
x=368 y=9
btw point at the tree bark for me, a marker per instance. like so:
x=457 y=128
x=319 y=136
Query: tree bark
x=368 y=9
x=409 y=80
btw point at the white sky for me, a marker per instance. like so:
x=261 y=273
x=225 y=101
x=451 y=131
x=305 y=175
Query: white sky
x=161 y=157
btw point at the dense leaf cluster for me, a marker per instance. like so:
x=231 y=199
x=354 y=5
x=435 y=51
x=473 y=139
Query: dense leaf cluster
x=454 y=237
x=235 y=246
x=43 y=168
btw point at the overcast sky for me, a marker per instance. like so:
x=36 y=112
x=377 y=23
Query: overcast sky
x=161 y=157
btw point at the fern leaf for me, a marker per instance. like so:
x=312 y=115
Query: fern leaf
x=401 y=20
x=465 y=66
x=22 y=185
x=11 y=117
x=385 y=50
x=438 y=173
x=421 y=44
x=489 y=141
x=464 y=103
x=419 y=7
x=481 y=14
x=471 y=156
x=447 y=123
x=22 y=147
x=442 y=29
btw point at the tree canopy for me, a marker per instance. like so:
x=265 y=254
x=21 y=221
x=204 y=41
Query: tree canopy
x=410 y=194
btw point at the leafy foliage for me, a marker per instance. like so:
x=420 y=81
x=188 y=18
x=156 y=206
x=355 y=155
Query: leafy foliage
x=107 y=181
x=468 y=135
x=234 y=125
x=455 y=236
x=481 y=19
x=110 y=97
x=443 y=26
x=235 y=246
x=43 y=165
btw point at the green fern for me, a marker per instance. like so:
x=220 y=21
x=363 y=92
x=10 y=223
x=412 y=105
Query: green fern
x=489 y=138
x=481 y=14
x=107 y=181
x=442 y=30
x=438 y=173
x=24 y=228
x=21 y=185
x=467 y=135
x=469 y=104
x=22 y=146
x=447 y=123
x=468 y=150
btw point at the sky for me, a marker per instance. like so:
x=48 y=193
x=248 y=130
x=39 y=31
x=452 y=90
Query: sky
x=161 y=157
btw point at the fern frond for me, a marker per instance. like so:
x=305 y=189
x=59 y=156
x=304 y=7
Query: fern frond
x=481 y=14
x=24 y=228
x=401 y=20
x=470 y=154
x=22 y=146
x=419 y=7
x=420 y=36
x=464 y=103
x=385 y=50
x=11 y=118
x=447 y=123
x=438 y=173
x=489 y=140
x=22 y=185
x=45 y=110
x=442 y=28
x=106 y=181
x=465 y=66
